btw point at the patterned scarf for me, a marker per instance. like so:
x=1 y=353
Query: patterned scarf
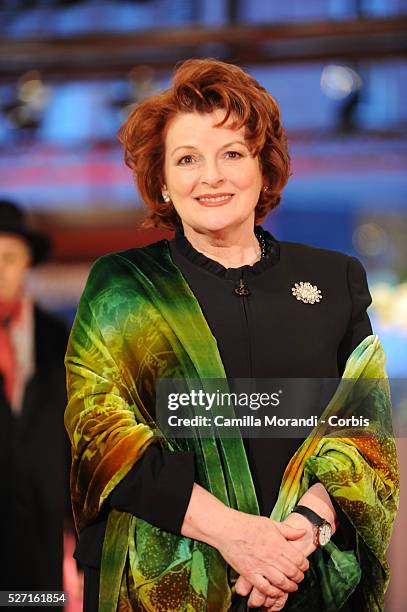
x=138 y=321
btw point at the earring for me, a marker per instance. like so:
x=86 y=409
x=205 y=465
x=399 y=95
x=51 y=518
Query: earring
x=266 y=188
x=166 y=197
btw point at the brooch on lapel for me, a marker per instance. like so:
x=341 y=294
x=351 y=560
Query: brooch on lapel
x=307 y=293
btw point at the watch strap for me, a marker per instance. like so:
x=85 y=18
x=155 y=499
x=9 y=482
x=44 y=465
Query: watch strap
x=312 y=516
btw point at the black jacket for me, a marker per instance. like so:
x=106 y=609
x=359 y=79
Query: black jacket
x=267 y=334
x=34 y=464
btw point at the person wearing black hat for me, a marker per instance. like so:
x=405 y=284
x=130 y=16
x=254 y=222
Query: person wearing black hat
x=33 y=446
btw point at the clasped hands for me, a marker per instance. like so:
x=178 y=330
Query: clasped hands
x=271 y=557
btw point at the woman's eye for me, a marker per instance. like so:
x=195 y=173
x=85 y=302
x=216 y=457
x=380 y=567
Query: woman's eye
x=186 y=160
x=233 y=154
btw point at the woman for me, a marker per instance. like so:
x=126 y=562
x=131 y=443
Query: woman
x=183 y=524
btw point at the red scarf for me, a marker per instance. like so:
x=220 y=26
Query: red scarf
x=10 y=313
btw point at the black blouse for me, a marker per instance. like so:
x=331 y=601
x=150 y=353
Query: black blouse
x=265 y=334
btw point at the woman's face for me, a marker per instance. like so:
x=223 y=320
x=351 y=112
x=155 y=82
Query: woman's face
x=210 y=174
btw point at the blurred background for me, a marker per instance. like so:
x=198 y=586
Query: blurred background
x=70 y=71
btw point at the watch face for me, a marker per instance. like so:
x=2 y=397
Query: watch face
x=325 y=533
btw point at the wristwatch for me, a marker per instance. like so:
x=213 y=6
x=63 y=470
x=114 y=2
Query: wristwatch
x=322 y=529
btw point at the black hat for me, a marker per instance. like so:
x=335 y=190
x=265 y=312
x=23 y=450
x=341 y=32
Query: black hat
x=13 y=221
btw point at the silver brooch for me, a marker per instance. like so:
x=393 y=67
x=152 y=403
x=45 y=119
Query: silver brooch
x=307 y=293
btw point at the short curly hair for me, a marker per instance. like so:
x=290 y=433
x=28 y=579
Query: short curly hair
x=205 y=85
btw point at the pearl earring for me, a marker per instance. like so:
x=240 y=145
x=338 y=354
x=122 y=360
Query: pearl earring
x=166 y=197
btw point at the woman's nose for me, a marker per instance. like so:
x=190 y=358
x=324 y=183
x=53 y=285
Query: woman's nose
x=211 y=174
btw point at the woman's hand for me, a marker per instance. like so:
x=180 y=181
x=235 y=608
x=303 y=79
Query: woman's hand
x=257 y=599
x=258 y=548
x=316 y=498
x=305 y=543
x=262 y=553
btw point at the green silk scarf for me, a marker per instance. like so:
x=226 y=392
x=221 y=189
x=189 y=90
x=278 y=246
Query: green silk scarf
x=138 y=321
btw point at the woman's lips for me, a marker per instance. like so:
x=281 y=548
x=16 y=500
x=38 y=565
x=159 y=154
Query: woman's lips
x=215 y=200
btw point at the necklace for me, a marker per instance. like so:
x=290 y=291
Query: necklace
x=242 y=290
x=261 y=252
x=262 y=244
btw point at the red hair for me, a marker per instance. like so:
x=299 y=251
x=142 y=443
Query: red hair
x=204 y=86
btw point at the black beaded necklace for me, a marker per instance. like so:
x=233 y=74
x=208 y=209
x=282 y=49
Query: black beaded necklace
x=242 y=290
x=262 y=243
